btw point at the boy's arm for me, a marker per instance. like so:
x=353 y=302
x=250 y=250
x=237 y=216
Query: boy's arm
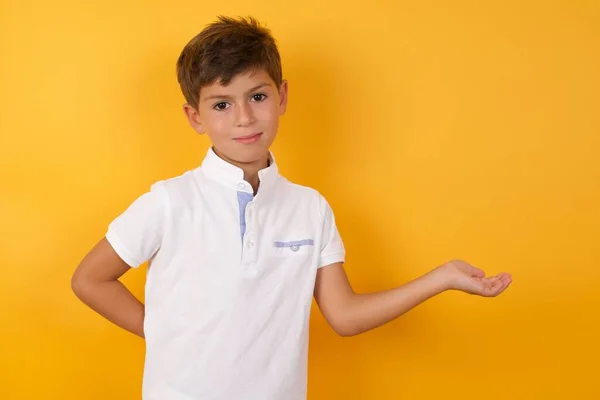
x=96 y=283
x=350 y=314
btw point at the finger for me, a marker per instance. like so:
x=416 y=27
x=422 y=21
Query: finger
x=484 y=283
x=500 y=290
x=489 y=280
x=490 y=286
x=500 y=285
x=507 y=280
x=502 y=276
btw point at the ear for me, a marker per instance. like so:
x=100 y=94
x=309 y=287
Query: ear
x=193 y=118
x=283 y=96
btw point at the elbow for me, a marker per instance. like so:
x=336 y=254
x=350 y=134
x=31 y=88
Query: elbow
x=78 y=284
x=346 y=332
x=345 y=322
x=346 y=328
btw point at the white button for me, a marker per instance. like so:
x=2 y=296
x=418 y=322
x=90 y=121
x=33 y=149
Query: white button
x=241 y=186
x=295 y=247
x=250 y=244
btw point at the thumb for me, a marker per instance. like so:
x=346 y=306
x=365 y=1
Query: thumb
x=476 y=272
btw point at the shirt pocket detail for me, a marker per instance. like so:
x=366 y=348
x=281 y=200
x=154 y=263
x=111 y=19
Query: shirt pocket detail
x=292 y=248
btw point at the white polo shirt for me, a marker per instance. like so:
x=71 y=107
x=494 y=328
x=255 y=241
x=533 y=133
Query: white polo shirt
x=230 y=281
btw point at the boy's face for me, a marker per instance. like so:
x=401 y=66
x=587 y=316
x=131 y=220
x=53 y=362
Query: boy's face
x=242 y=118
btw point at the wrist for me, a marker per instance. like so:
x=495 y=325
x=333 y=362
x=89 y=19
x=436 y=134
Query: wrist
x=440 y=279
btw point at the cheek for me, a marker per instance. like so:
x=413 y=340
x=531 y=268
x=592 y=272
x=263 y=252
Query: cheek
x=268 y=113
x=219 y=125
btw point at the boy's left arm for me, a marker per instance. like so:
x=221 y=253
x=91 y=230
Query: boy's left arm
x=350 y=314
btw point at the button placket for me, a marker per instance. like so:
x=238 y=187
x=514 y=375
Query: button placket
x=250 y=250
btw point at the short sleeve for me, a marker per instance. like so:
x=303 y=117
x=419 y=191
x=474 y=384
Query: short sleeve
x=332 y=247
x=136 y=234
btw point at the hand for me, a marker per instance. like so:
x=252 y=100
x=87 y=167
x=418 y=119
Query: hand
x=462 y=276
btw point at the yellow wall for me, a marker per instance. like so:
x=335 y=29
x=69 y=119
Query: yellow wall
x=436 y=130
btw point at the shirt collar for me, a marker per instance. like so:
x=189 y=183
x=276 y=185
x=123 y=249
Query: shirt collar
x=214 y=167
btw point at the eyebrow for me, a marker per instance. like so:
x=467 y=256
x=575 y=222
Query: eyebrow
x=223 y=96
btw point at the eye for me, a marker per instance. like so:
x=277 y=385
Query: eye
x=221 y=106
x=259 y=97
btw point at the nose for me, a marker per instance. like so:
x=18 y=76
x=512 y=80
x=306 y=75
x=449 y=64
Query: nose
x=244 y=115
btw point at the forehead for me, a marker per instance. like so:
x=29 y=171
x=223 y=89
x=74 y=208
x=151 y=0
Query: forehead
x=238 y=85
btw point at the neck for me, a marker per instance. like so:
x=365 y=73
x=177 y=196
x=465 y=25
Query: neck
x=250 y=169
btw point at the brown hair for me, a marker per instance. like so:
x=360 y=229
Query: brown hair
x=224 y=49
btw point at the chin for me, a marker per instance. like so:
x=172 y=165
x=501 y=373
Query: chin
x=254 y=156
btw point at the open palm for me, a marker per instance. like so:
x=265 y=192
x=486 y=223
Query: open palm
x=467 y=278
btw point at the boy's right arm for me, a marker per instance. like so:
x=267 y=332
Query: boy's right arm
x=96 y=283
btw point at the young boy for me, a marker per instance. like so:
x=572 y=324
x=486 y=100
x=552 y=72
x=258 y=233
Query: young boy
x=236 y=252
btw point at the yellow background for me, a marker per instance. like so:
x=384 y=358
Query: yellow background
x=437 y=130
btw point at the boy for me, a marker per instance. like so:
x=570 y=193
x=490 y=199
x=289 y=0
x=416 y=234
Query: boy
x=236 y=252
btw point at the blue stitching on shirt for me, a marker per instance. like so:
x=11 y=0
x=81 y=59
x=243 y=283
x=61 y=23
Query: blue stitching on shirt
x=305 y=242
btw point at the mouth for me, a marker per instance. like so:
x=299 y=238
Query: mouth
x=248 y=138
